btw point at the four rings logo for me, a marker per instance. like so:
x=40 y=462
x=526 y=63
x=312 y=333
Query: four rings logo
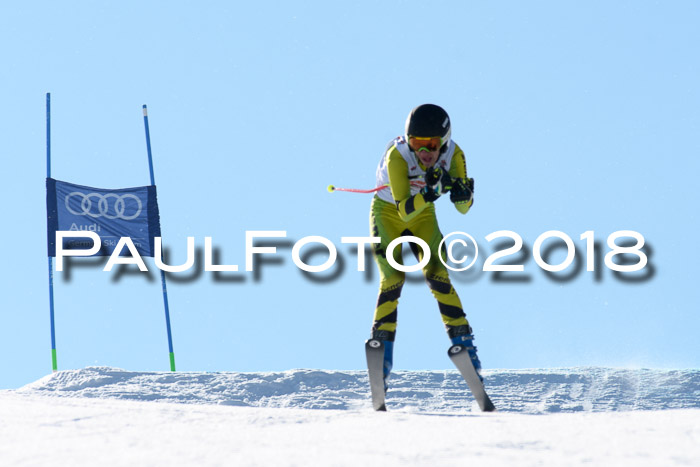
x=110 y=205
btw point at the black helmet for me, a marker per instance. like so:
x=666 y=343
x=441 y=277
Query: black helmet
x=429 y=120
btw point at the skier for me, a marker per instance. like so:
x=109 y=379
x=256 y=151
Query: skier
x=426 y=153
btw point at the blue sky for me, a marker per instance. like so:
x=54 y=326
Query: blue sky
x=573 y=116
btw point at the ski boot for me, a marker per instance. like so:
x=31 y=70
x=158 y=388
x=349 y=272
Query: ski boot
x=462 y=335
x=388 y=362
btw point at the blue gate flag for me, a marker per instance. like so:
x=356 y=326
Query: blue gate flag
x=111 y=213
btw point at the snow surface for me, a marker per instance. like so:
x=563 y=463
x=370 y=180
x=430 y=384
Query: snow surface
x=592 y=416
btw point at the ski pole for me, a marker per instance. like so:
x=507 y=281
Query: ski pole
x=332 y=188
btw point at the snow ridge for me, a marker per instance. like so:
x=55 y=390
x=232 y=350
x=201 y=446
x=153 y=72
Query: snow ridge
x=525 y=391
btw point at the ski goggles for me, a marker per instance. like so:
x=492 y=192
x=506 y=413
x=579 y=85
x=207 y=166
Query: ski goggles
x=420 y=143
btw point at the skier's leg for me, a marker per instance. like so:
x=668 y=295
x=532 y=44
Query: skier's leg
x=437 y=277
x=386 y=224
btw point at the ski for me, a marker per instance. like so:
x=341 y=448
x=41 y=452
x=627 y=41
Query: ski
x=375 y=366
x=462 y=360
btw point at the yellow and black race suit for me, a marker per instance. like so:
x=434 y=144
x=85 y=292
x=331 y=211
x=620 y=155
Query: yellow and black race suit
x=400 y=210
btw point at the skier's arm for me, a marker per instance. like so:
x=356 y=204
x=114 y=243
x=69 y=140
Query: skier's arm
x=408 y=205
x=462 y=193
x=458 y=167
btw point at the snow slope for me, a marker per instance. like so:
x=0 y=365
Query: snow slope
x=106 y=416
x=529 y=391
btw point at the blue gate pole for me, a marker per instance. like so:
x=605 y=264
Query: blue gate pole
x=54 y=364
x=162 y=273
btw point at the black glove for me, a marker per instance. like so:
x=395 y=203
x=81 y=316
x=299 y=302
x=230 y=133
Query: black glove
x=462 y=191
x=437 y=182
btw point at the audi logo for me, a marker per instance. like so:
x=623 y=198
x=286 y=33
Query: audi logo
x=118 y=208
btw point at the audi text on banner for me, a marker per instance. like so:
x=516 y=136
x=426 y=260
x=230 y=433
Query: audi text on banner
x=111 y=213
